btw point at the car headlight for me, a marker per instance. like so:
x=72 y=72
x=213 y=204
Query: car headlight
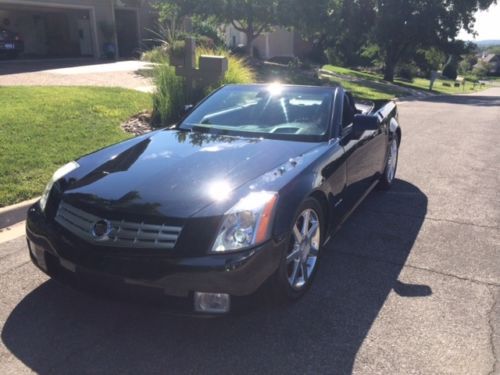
x=60 y=173
x=247 y=223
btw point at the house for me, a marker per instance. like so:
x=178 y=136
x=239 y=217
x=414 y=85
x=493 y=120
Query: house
x=279 y=42
x=78 y=28
x=493 y=61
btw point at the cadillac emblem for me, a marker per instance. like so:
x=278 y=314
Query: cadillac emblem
x=101 y=230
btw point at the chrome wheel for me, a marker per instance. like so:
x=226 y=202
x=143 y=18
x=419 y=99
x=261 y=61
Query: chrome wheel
x=303 y=254
x=392 y=162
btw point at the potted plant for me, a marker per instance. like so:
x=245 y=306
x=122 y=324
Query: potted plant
x=108 y=34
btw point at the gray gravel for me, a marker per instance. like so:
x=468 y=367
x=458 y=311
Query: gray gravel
x=410 y=284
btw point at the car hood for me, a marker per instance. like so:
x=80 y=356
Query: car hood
x=173 y=173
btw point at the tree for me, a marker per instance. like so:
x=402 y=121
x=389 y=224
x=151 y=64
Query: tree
x=168 y=23
x=252 y=17
x=389 y=31
x=403 y=26
x=341 y=27
x=450 y=70
x=467 y=63
x=349 y=30
x=312 y=20
x=481 y=69
x=495 y=50
x=434 y=58
x=171 y=14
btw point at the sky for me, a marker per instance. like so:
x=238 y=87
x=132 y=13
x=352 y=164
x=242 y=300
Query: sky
x=487 y=25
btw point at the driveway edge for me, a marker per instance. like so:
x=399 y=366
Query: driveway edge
x=14 y=214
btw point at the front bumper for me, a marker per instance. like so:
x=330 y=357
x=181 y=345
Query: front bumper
x=62 y=256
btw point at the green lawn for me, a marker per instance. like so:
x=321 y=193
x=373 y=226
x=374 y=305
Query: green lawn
x=439 y=88
x=372 y=87
x=373 y=90
x=353 y=73
x=42 y=128
x=383 y=93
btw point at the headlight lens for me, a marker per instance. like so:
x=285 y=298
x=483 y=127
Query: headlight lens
x=60 y=173
x=247 y=223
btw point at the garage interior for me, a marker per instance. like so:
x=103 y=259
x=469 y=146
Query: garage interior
x=127 y=32
x=50 y=32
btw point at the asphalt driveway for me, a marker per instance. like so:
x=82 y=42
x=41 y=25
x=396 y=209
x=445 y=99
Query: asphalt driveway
x=409 y=285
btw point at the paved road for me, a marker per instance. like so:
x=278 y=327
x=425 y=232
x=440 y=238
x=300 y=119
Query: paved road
x=77 y=72
x=410 y=285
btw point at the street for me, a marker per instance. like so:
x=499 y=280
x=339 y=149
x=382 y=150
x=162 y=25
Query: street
x=416 y=293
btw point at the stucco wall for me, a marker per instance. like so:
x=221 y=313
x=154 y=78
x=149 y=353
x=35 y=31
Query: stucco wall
x=279 y=42
x=234 y=38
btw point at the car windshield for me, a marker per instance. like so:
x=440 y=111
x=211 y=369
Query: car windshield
x=267 y=111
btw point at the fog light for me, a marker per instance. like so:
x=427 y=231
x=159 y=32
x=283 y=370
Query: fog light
x=211 y=302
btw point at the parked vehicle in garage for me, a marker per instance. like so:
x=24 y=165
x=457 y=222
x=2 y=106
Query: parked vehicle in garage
x=11 y=44
x=247 y=188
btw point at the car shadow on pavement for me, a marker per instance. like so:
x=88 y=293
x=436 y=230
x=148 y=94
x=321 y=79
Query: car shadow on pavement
x=55 y=329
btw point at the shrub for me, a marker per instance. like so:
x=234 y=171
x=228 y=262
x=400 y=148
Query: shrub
x=203 y=27
x=169 y=98
x=176 y=51
x=156 y=55
x=407 y=72
x=205 y=42
x=238 y=72
x=332 y=57
x=239 y=50
x=471 y=78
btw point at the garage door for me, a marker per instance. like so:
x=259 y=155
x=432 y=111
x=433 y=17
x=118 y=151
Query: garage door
x=50 y=32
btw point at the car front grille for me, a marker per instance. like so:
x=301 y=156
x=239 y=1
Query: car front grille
x=121 y=233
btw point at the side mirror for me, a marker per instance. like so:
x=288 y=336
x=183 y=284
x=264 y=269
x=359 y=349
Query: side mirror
x=364 y=123
x=187 y=109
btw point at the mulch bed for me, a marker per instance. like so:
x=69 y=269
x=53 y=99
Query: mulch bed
x=138 y=124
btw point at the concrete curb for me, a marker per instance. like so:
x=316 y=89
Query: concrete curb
x=14 y=214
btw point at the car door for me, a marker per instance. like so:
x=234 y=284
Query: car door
x=365 y=154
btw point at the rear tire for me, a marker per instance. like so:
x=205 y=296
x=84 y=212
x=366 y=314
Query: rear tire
x=300 y=260
x=389 y=174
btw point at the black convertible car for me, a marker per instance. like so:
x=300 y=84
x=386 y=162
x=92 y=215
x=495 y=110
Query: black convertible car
x=244 y=191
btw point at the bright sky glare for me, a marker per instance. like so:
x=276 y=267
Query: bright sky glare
x=487 y=25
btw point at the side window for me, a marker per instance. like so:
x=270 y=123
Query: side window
x=348 y=113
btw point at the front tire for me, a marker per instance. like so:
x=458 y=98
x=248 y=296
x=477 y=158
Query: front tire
x=387 y=178
x=300 y=261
